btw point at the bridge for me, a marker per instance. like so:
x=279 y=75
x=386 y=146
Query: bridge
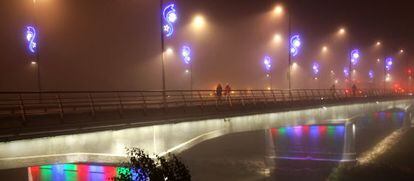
x=70 y=127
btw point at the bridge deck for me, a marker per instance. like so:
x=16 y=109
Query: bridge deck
x=35 y=114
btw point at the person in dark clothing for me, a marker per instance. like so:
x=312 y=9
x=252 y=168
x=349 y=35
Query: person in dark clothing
x=227 y=92
x=219 y=92
x=354 y=90
x=333 y=90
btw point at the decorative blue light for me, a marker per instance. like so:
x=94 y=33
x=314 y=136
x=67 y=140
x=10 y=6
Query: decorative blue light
x=267 y=61
x=31 y=38
x=388 y=63
x=315 y=68
x=355 y=55
x=371 y=74
x=346 y=72
x=170 y=17
x=186 y=54
x=295 y=45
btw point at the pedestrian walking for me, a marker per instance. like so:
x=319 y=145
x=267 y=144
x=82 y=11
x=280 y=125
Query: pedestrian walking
x=354 y=90
x=227 y=93
x=219 y=91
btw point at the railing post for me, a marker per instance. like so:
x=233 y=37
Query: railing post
x=264 y=97
x=120 y=105
x=60 y=106
x=91 y=104
x=283 y=96
x=254 y=98
x=185 y=102
x=242 y=98
x=22 y=109
x=144 y=102
x=201 y=100
x=274 y=97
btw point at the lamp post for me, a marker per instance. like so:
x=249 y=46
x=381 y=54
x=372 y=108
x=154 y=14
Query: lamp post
x=168 y=17
x=267 y=61
x=387 y=67
x=186 y=56
x=32 y=37
x=354 y=58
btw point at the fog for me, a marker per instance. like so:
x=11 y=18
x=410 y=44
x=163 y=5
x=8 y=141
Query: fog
x=115 y=45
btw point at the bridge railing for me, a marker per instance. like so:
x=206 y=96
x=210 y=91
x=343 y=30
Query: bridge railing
x=24 y=104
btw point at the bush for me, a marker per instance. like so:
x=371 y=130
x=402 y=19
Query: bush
x=143 y=168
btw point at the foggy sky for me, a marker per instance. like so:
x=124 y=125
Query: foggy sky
x=115 y=44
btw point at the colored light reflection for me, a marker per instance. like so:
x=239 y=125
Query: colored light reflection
x=74 y=172
x=295 y=45
x=31 y=37
x=309 y=142
x=170 y=17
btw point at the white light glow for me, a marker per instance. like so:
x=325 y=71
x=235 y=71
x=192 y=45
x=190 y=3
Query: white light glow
x=277 y=38
x=278 y=10
x=199 y=22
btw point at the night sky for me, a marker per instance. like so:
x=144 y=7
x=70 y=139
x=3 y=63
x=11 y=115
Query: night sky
x=115 y=44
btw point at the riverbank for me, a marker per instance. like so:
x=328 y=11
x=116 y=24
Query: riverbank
x=388 y=161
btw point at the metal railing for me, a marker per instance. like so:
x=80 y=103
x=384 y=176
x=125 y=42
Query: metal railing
x=25 y=104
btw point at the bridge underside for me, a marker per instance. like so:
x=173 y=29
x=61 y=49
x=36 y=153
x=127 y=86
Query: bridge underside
x=42 y=123
x=160 y=137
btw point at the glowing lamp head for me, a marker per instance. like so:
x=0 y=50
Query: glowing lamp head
x=388 y=63
x=342 y=31
x=295 y=45
x=170 y=17
x=186 y=54
x=267 y=61
x=278 y=10
x=31 y=38
x=199 y=21
x=355 y=55
x=371 y=74
x=346 y=72
x=315 y=68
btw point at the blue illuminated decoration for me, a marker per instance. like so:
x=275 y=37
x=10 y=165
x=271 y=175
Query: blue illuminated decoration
x=315 y=68
x=295 y=45
x=371 y=74
x=388 y=63
x=170 y=17
x=31 y=38
x=186 y=54
x=355 y=55
x=346 y=72
x=267 y=61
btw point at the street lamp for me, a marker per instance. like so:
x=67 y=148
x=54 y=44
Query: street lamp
x=315 y=70
x=378 y=43
x=354 y=58
x=168 y=18
x=186 y=56
x=341 y=31
x=388 y=62
x=277 y=38
x=324 y=49
x=278 y=10
x=32 y=38
x=199 y=22
x=295 y=45
x=169 y=15
x=267 y=61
